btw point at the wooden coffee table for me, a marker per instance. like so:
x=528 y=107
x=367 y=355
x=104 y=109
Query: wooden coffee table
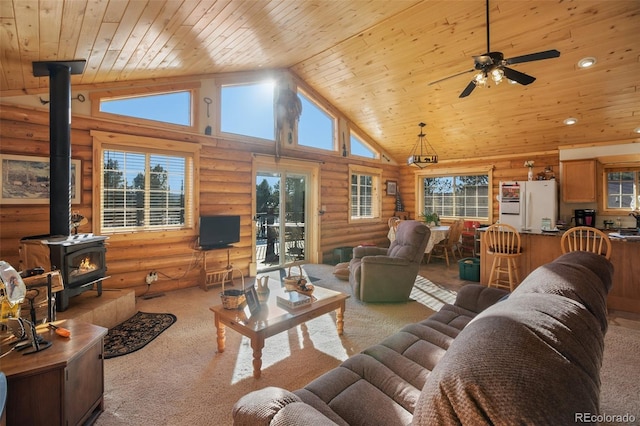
x=276 y=319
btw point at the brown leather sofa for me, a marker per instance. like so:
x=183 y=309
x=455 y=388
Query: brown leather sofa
x=533 y=358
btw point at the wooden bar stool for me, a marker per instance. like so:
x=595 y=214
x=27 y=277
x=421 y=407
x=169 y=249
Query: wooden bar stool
x=586 y=238
x=503 y=242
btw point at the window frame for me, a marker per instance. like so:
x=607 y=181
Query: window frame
x=455 y=172
x=612 y=168
x=242 y=81
x=121 y=142
x=193 y=88
x=334 y=118
x=361 y=140
x=376 y=193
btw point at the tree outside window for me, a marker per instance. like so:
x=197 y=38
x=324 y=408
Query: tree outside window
x=457 y=196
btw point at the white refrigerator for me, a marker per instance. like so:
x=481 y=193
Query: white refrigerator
x=529 y=205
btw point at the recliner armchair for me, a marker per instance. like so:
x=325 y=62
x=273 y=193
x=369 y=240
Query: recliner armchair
x=387 y=275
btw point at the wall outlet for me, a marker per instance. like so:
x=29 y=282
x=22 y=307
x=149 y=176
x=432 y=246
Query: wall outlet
x=149 y=278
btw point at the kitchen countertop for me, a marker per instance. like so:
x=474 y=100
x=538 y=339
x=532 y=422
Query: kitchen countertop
x=613 y=234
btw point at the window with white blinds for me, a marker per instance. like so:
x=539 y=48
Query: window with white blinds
x=145 y=189
x=364 y=202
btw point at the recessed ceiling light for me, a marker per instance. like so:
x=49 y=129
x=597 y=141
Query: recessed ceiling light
x=587 y=62
x=570 y=121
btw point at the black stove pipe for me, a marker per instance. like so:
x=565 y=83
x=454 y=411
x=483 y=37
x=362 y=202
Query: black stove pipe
x=60 y=149
x=59 y=73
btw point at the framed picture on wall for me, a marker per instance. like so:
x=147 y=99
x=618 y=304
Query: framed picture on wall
x=392 y=187
x=26 y=180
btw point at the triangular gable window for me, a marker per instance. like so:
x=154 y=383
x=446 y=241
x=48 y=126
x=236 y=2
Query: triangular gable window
x=172 y=108
x=358 y=147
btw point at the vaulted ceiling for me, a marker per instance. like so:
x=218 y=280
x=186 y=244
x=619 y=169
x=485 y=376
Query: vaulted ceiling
x=372 y=59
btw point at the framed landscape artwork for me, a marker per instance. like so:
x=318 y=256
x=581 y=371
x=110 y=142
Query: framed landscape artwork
x=25 y=180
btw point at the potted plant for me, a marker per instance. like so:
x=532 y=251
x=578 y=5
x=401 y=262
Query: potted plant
x=431 y=218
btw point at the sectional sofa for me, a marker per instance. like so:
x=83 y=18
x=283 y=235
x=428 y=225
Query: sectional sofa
x=529 y=357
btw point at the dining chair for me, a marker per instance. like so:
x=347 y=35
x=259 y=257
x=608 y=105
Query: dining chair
x=468 y=239
x=503 y=243
x=586 y=238
x=449 y=245
x=393 y=223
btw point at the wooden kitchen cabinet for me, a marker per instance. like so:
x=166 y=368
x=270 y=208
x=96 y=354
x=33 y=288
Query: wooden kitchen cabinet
x=579 y=181
x=61 y=385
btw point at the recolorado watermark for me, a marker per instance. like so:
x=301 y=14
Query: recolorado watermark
x=604 y=418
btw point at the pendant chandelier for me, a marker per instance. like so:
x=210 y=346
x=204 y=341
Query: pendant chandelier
x=423 y=152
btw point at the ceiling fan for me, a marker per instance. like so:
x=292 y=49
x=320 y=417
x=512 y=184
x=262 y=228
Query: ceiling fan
x=493 y=65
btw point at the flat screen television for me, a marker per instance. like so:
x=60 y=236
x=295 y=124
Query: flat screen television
x=218 y=231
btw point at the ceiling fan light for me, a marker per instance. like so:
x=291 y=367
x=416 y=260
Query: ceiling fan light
x=497 y=75
x=587 y=62
x=480 y=79
x=570 y=121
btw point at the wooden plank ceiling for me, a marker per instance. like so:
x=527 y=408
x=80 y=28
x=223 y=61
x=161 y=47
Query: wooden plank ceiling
x=372 y=59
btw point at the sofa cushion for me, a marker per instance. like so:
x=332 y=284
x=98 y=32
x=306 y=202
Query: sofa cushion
x=358 y=379
x=581 y=276
x=341 y=271
x=260 y=408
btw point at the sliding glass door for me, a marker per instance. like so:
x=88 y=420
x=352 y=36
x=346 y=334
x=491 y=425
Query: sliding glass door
x=281 y=216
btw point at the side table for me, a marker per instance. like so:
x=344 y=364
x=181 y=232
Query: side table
x=211 y=275
x=61 y=385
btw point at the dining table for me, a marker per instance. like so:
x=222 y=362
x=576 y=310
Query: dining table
x=438 y=233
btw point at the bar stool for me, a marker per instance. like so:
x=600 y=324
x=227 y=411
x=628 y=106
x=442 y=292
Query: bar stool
x=503 y=242
x=586 y=238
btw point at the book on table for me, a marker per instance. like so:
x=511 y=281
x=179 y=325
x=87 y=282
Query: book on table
x=293 y=299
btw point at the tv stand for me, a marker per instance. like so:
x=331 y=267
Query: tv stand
x=212 y=275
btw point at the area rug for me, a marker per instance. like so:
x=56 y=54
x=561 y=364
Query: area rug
x=135 y=333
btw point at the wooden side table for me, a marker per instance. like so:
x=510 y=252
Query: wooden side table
x=62 y=385
x=212 y=275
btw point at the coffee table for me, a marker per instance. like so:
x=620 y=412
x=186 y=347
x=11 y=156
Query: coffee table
x=273 y=318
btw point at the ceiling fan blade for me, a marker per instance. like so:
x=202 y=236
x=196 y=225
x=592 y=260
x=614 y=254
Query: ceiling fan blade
x=547 y=54
x=467 y=90
x=518 y=76
x=451 y=76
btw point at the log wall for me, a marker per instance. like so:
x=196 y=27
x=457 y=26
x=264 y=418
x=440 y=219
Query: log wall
x=226 y=183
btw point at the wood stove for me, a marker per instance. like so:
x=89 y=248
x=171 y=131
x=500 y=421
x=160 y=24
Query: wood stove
x=80 y=259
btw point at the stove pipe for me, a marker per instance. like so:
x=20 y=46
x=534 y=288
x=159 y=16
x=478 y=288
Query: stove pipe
x=60 y=150
x=59 y=73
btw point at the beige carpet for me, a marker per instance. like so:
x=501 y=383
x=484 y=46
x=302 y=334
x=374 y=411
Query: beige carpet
x=179 y=378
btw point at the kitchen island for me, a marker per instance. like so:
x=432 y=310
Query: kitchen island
x=539 y=248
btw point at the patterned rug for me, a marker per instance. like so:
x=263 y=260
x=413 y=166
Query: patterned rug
x=135 y=333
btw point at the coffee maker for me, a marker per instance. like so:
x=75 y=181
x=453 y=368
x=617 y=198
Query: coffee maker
x=585 y=217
